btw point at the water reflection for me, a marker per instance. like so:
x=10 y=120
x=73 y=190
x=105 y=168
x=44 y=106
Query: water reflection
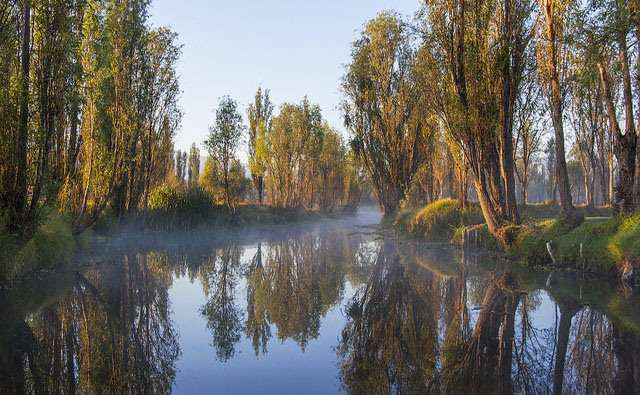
x=415 y=318
x=107 y=330
x=414 y=327
x=218 y=275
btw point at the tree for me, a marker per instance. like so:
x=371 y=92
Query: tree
x=224 y=137
x=181 y=165
x=209 y=179
x=163 y=117
x=331 y=170
x=613 y=23
x=194 y=164
x=553 y=23
x=294 y=148
x=529 y=126
x=89 y=109
x=471 y=62
x=260 y=122
x=239 y=184
x=388 y=123
x=588 y=122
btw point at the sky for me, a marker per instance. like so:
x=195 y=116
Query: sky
x=291 y=47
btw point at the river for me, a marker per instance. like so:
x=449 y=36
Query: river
x=324 y=307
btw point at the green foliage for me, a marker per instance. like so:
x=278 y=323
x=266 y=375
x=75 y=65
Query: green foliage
x=180 y=207
x=331 y=170
x=209 y=179
x=626 y=242
x=260 y=121
x=224 y=137
x=605 y=242
x=194 y=164
x=384 y=111
x=176 y=207
x=295 y=143
x=438 y=221
x=53 y=244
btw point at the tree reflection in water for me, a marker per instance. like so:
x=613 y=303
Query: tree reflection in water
x=219 y=278
x=409 y=329
x=108 y=330
x=421 y=319
x=295 y=285
x=389 y=343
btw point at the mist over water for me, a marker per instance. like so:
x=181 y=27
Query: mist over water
x=321 y=307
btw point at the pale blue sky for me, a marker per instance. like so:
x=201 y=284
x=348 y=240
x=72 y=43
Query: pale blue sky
x=294 y=48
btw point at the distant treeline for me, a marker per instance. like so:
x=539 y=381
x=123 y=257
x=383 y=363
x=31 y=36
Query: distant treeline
x=296 y=160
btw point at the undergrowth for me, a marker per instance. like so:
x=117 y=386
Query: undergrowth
x=439 y=220
x=52 y=244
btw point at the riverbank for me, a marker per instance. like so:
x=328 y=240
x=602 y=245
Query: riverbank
x=54 y=244
x=603 y=243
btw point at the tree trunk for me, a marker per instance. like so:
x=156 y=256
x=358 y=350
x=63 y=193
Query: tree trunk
x=506 y=137
x=568 y=213
x=20 y=186
x=567 y=310
x=260 y=188
x=624 y=147
x=494 y=219
x=636 y=180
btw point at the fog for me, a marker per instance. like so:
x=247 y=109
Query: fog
x=366 y=219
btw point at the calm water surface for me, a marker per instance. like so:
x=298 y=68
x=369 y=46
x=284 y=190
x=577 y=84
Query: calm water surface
x=316 y=308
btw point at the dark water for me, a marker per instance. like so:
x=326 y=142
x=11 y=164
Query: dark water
x=322 y=308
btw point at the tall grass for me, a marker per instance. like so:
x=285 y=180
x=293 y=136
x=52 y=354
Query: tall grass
x=605 y=242
x=52 y=245
x=439 y=220
x=182 y=207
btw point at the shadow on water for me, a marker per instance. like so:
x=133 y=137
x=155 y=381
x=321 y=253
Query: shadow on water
x=415 y=318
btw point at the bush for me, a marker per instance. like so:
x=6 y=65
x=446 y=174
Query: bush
x=53 y=244
x=625 y=243
x=439 y=220
x=180 y=207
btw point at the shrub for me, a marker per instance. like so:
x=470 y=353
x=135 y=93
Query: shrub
x=625 y=243
x=52 y=245
x=439 y=220
x=180 y=207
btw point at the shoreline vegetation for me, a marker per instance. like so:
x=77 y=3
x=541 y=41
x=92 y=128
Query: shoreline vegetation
x=603 y=243
x=456 y=101
x=54 y=245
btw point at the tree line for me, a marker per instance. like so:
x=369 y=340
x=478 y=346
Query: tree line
x=466 y=90
x=89 y=109
x=295 y=159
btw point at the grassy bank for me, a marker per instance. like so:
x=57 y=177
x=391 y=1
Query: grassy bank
x=52 y=245
x=438 y=221
x=609 y=244
x=193 y=208
x=217 y=216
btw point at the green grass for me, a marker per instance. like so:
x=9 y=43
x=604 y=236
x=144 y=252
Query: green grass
x=438 y=221
x=542 y=211
x=52 y=244
x=625 y=243
x=605 y=242
x=181 y=208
